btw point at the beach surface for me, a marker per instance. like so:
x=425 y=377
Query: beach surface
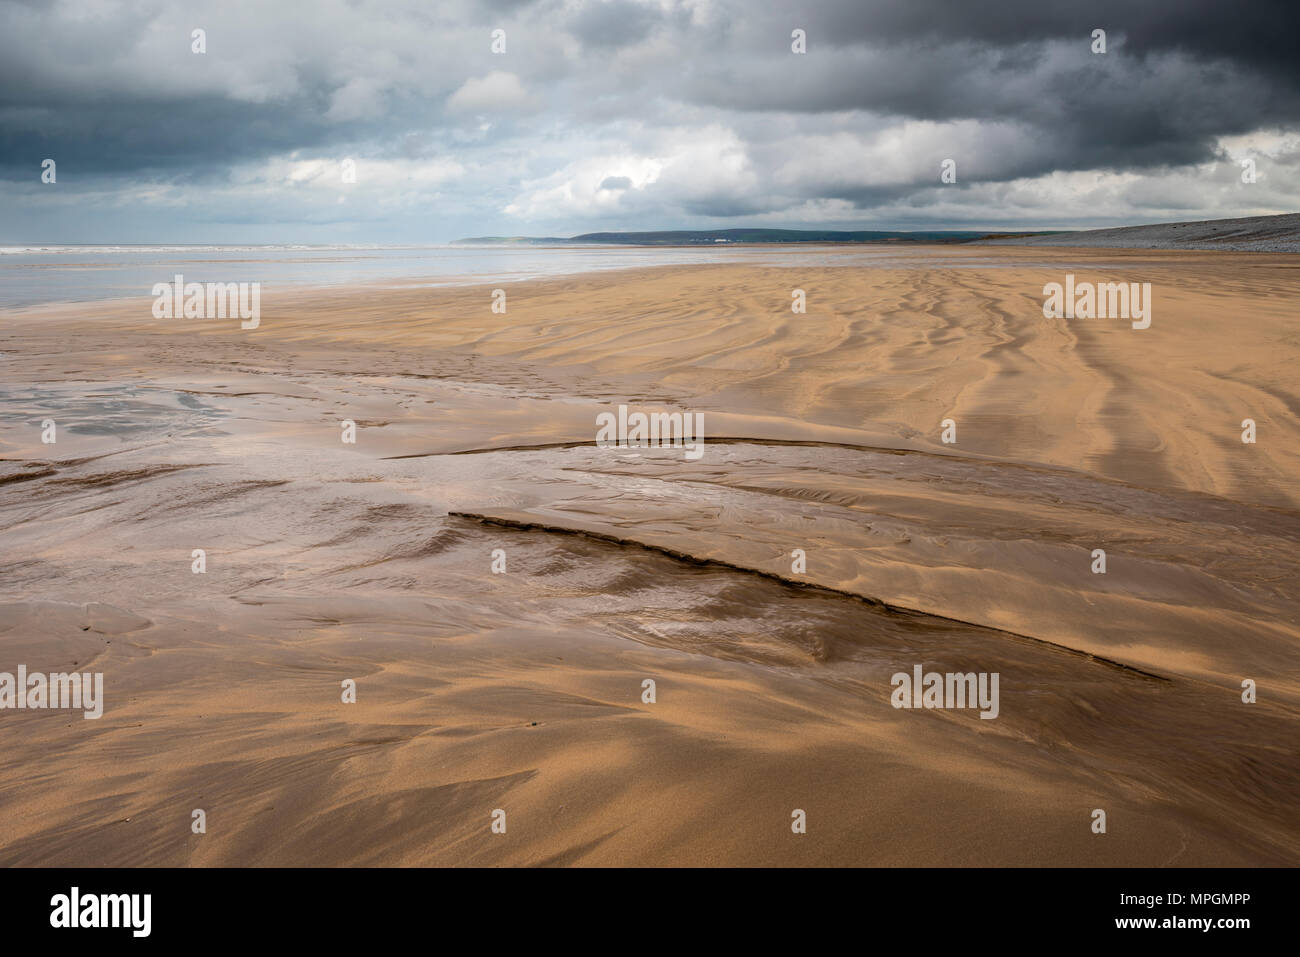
x=522 y=689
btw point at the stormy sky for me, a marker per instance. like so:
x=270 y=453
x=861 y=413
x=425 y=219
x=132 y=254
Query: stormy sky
x=636 y=114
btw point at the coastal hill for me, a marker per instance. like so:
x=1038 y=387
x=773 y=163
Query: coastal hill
x=1252 y=234
x=702 y=237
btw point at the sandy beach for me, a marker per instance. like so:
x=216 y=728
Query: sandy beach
x=522 y=690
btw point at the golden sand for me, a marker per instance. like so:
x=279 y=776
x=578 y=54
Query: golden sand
x=523 y=691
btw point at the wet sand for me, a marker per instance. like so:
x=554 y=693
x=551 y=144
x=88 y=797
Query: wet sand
x=522 y=690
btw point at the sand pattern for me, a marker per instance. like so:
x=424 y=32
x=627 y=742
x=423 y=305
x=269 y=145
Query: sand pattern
x=523 y=690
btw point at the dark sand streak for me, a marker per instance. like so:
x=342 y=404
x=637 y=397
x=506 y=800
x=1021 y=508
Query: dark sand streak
x=790 y=582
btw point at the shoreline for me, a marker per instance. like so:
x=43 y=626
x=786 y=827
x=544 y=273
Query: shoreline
x=1034 y=254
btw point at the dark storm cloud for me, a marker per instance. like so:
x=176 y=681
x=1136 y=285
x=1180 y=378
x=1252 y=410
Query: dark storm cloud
x=1262 y=33
x=1174 y=78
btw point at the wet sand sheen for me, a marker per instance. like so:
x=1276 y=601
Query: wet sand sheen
x=523 y=690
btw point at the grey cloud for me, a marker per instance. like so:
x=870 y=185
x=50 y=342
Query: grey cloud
x=613 y=23
x=119 y=101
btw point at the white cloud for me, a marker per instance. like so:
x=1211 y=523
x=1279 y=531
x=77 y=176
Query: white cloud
x=495 y=93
